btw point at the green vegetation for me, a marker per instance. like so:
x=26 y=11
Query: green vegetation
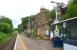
x=72 y=9
x=20 y=29
x=6 y=29
x=69 y=12
x=5 y=24
x=51 y=14
x=24 y=23
x=4 y=37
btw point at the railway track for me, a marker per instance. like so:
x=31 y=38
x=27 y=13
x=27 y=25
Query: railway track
x=9 y=45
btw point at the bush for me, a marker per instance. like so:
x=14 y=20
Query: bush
x=4 y=27
x=3 y=37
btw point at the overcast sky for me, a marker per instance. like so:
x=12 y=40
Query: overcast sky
x=16 y=9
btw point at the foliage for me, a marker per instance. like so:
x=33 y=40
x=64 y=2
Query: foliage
x=3 y=37
x=5 y=24
x=4 y=27
x=72 y=10
x=20 y=28
x=51 y=14
x=23 y=25
x=6 y=20
x=25 y=22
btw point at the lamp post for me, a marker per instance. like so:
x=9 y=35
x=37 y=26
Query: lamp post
x=56 y=19
x=56 y=10
x=59 y=7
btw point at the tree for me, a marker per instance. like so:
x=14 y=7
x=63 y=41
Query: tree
x=20 y=28
x=5 y=24
x=25 y=22
x=51 y=14
x=72 y=10
x=4 y=27
x=6 y=20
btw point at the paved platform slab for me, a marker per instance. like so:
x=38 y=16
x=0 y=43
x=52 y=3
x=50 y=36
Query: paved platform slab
x=24 y=43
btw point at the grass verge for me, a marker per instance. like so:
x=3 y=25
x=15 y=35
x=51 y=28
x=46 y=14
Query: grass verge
x=4 y=38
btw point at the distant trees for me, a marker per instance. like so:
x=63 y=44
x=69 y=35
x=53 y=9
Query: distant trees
x=24 y=23
x=20 y=28
x=51 y=14
x=5 y=24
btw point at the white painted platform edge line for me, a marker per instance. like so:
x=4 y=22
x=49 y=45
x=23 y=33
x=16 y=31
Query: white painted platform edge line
x=15 y=43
